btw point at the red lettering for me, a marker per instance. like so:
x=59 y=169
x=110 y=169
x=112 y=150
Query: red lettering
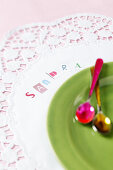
x=27 y=94
x=53 y=73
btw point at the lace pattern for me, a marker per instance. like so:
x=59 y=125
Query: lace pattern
x=23 y=47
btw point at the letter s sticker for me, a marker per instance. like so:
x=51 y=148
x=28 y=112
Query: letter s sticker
x=27 y=94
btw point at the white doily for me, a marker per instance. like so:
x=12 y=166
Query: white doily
x=25 y=46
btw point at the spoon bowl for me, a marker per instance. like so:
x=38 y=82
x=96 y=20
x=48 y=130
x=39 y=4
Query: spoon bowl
x=85 y=112
x=101 y=122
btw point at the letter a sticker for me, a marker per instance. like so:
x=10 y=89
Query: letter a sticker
x=40 y=88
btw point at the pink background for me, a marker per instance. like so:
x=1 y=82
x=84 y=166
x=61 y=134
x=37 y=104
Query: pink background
x=15 y=13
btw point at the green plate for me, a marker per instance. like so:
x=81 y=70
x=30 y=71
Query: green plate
x=78 y=146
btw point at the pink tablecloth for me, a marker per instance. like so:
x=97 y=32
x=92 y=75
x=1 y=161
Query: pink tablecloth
x=14 y=13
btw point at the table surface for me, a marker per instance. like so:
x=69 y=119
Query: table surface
x=15 y=13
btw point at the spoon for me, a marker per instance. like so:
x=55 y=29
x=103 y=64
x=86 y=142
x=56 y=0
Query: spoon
x=85 y=112
x=101 y=122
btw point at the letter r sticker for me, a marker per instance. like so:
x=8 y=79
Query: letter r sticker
x=40 y=88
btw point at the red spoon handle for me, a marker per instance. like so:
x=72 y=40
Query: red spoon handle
x=97 y=70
